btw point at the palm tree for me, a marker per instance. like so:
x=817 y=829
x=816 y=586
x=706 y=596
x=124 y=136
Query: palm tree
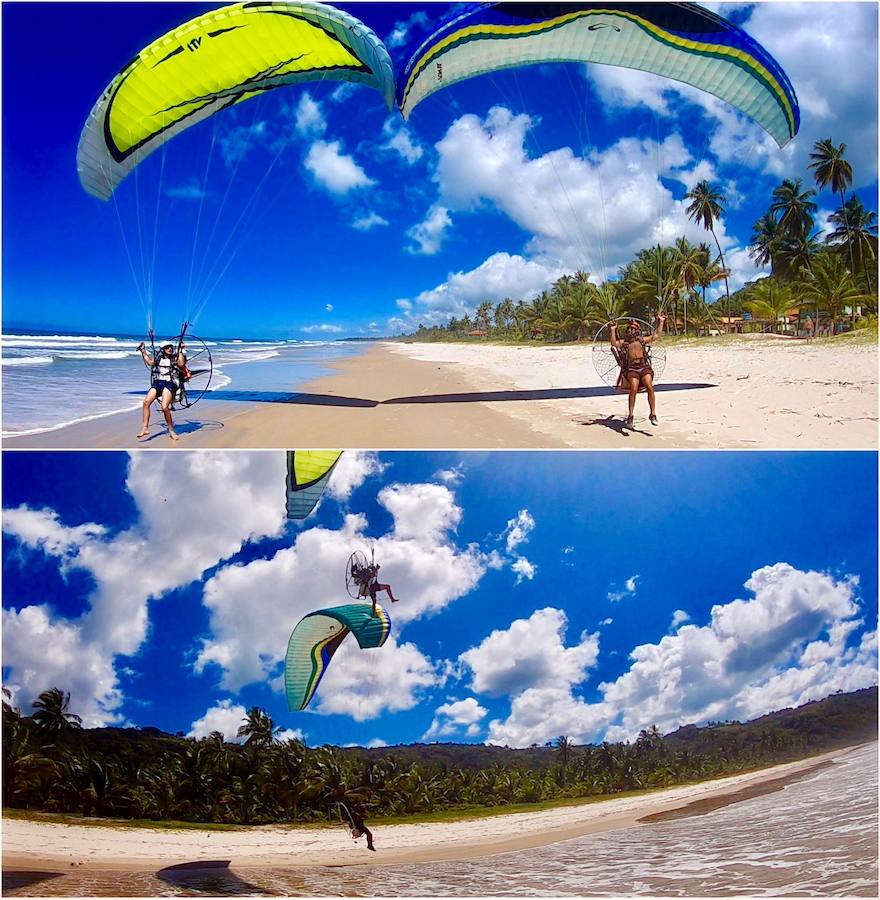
x=580 y=305
x=706 y=206
x=25 y=767
x=554 y=321
x=536 y=312
x=710 y=272
x=481 y=316
x=52 y=714
x=562 y=284
x=831 y=286
x=522 y=321
x=830 y=168
x=691 y=262
x=503 y=315
x=767 y=243
x=651 y=282
x=794 y=208
x=291 y=782
x=769 y=301
x=7 y=703
x=609 y=302
x=799 y=252
x=564 y=746
x=856 y=229
x=258 y=728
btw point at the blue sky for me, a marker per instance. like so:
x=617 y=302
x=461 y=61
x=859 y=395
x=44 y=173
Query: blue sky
x=586 y=594
x=367 y=226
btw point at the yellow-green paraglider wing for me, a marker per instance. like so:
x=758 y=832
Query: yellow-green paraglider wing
x=318 y=636
x=680 y=41
x=308 y=472
x=214 y=61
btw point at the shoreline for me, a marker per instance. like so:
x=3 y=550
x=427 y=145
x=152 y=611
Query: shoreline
x=105 y=848
x=761 y=393
x=358 y=405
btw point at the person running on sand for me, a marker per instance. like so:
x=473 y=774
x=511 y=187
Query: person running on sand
x=636 y=371
x=167 y=371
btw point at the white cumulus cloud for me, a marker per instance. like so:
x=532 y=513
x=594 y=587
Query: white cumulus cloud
x=428 y=235
x=455 y=717
x=786 y=644
x=530 y=653
x=518 y=530
x=226 y=717
x=401 y=141
x=630 y=586
x=524 y=568
x=240 y=497
x=310 y=119
x=335 y=170
x=369 y=221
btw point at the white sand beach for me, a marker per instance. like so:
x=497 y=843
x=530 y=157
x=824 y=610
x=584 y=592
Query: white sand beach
x=757 y=391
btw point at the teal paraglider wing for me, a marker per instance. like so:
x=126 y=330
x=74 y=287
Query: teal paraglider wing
x=316 y=639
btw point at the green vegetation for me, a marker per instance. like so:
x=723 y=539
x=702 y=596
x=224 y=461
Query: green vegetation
x=826 y=281
x=52 y=766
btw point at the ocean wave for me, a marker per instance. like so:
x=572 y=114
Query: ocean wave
x=28 y=360
x=220 y=380
x=253 y=356
x=251 y=351
x=47 y=340
x=43 y=429
x=96 y=354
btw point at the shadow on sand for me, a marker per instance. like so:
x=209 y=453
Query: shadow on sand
x=210 y=876
x=470 y=397
x=19 y=879
x=290 y=397
x=158 y=431
x=618 y=425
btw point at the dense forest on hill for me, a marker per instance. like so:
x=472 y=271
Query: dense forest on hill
x=51 y=764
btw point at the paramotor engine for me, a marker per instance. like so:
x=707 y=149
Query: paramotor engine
x=346 y=819
x=355 y=570
x=608 y=361
x=195 y=379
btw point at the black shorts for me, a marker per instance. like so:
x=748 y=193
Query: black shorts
x=161 y=386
